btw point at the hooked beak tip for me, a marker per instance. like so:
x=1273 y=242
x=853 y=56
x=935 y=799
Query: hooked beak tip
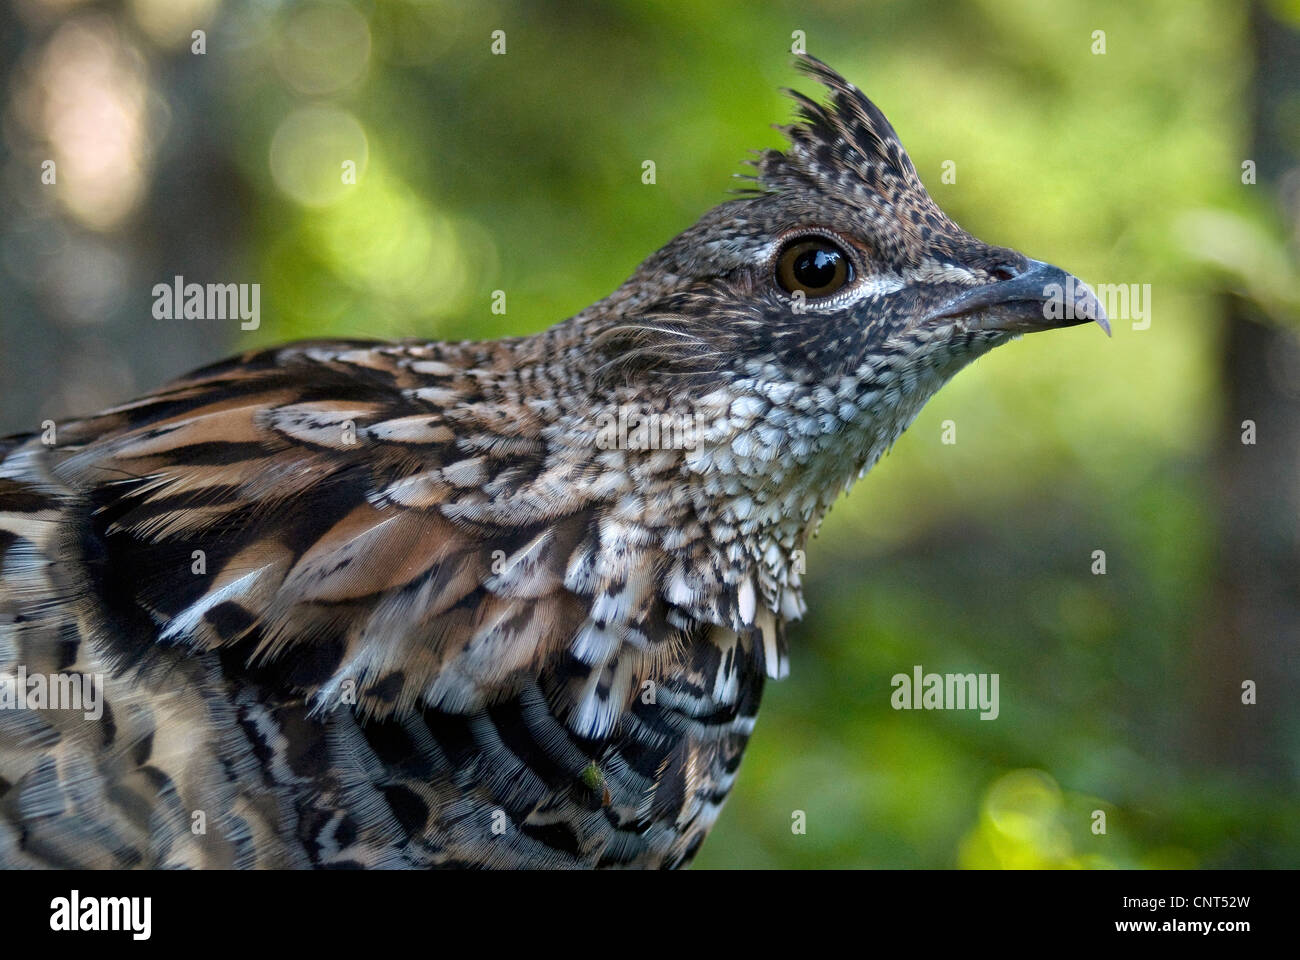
x=1042 y=297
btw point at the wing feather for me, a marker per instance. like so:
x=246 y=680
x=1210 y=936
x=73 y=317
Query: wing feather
x=331 y=517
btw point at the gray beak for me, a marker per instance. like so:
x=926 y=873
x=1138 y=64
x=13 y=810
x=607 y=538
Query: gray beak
x=1043 y=297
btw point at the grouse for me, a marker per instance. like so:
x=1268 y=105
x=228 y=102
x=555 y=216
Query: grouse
x=480 y=604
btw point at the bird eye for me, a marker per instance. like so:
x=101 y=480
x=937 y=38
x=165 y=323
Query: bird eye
x=814 y=266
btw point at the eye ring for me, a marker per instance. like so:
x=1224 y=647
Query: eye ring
x=814 y=265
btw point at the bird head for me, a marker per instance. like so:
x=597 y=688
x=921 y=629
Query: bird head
x=837 y=255
x=811 y=318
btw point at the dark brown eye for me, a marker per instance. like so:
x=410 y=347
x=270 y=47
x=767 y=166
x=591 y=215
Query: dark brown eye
x=814 y=266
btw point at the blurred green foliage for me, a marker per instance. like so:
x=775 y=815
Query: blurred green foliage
x=522 y=173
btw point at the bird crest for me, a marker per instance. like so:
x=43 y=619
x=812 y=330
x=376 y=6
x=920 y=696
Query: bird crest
x=845 y=143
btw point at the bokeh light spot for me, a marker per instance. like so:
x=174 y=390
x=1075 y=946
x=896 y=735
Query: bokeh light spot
x=309 y=152
x=324 y=48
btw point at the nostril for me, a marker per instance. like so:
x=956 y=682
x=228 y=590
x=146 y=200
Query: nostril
x=1004 y=272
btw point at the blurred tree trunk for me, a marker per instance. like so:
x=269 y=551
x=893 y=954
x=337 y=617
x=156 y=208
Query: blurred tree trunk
x=1253 y=630
x=75 y=297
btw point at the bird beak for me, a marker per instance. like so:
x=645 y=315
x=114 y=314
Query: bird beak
x=1044 y=297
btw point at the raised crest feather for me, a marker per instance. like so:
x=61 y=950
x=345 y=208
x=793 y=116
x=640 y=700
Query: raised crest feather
x=848 y=135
